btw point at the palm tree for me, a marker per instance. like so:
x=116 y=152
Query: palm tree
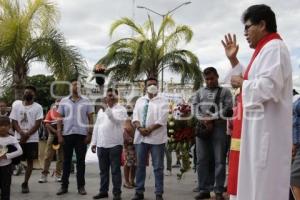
x=150 y=51
x=28 y=34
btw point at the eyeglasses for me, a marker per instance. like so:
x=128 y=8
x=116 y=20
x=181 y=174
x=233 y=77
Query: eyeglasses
x=247 y=27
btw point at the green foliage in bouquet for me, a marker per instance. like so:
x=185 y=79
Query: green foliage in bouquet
x=181 y=135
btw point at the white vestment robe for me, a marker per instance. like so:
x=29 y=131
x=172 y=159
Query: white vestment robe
x=266 y=142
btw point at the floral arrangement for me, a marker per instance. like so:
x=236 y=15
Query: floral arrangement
x=181 y=134
x=99 y=73
x=182 y=110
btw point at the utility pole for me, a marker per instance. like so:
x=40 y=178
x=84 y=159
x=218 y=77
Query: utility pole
x=163 y=36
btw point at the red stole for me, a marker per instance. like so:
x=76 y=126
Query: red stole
x=237 y=123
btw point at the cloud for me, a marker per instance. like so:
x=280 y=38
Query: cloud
x=296 y=82
x=85 y=24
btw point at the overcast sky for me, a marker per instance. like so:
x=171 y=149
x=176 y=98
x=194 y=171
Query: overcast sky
x=85 y=24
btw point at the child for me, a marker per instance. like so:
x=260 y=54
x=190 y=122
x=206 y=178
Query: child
x=129 y=151
x=5 y=157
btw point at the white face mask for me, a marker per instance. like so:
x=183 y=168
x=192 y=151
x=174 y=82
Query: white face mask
x=152 y=89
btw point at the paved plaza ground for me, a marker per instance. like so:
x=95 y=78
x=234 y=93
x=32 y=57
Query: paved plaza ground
x=174 y=189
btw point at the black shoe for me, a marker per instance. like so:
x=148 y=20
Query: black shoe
x=101 y=195
x=219 y=196
x=81 y=191
x=138 y=196
x=196 y=189
x=117 y=197
x=203 y=195
x=61 y=191
x=25 y=188
x=159 y=197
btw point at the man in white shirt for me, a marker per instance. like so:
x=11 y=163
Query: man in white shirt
x=266 y=85
x=150 y=119
x=108 y=140
x=26 y=118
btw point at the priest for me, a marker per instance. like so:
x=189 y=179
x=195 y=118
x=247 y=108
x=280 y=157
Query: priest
x=266 y=120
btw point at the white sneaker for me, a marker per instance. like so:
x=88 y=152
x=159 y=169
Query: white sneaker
x=58 y=179
x=18 y=170
x=168 y=173
x=43 y=178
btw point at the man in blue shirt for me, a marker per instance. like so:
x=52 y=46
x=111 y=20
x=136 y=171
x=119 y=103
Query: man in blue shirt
x=77 y=113
x=295 y=173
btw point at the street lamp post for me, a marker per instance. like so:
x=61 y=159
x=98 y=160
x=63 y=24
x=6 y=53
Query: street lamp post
x=163 y=34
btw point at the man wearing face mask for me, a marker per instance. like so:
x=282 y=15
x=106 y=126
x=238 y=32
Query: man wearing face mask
x=150 y=120
x=26 y=116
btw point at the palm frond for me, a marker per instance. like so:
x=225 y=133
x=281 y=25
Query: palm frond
x=185 y=63
x=149 y=25
x=8 y=9
x=120 y=57
x=119 y=72
x=64 y=61
x=124 y=41
x=149 y=52
x=167 y=22
x=28 y=34
x=128 y=22
x=40 y=14
x=181 y=33
x=13 y=38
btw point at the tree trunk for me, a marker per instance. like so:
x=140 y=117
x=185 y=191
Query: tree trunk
x=19 y=81
x=152 y=74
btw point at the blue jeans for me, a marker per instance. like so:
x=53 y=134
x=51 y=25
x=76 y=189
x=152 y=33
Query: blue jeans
x=110 y=158
x=211 y=159
x=157 y=155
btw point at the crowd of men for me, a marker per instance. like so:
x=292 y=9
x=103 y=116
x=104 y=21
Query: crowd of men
x=259 y=117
